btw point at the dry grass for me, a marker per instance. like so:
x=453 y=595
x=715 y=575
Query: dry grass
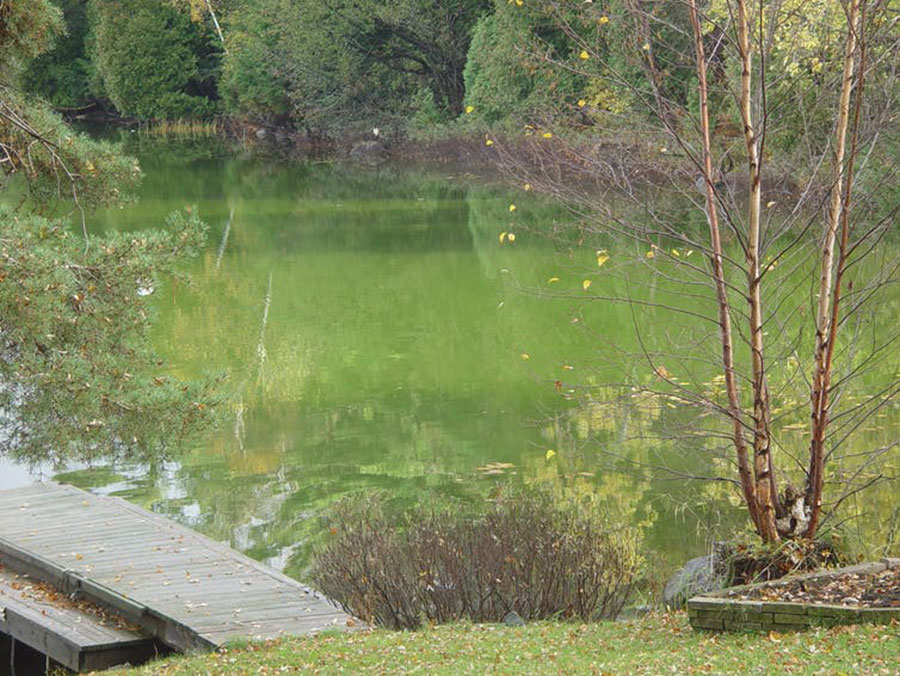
x=184 y=128
x=656 y=644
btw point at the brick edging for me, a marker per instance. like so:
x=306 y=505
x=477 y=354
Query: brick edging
x=714 y=611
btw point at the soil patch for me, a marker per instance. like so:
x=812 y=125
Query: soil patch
x=856 y=590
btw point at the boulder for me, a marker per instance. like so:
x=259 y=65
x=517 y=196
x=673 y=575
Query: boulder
x=695 y=577
x=369 y=152
x=513 y=619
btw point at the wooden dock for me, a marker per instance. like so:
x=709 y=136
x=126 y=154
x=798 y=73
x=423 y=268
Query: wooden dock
x=78 y=635
x=153 y=583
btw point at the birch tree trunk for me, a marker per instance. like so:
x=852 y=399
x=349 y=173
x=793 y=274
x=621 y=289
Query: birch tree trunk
x=212 y=14
x=734 y=406
x=766 y=494
x=827 y=296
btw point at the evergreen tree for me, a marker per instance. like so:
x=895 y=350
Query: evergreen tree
x=153 y=61
x=78 y=378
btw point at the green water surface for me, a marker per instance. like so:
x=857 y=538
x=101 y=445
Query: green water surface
x=377 y=334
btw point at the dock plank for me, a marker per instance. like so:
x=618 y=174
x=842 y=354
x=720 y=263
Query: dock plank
x=190 y=591
x=78 y=636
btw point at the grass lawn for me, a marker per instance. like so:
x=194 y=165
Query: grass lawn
x=656 y=644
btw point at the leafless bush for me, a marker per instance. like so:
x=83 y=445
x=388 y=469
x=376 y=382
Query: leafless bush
x=526 y=552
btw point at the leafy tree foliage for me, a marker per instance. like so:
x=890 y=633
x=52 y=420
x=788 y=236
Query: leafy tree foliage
x=347 y=61
x=63 y=74
x=26 y=31
x=508 y=76
x=153 y=61
x=254 y=80
x=427 y=38
x=289 y=59
x=334 y=83
x=77 y=376
x=329 y=67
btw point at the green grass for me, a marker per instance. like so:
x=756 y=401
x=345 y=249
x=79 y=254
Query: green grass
x=657 y=644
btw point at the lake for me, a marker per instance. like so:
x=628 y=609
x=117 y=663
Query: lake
x=378 y=332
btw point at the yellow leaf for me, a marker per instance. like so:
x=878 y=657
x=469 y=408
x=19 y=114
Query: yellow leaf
x=547 y=134
x=553 y=280
x=512 y=207
x=586 y=284
x=650 y=254
x=675 y=253
x=568 y=367
x=469 y=109
x=502 y=237
x=770 y=204
x=646 y=47
x=603 y=20
x=525 y=356
x=688 y=252
x=584 y=56
x=511 y=237
x=662 y=372
x=602 y=257
x=549 y=454
x=526 y=187
x=488 y=142
x=582 y=103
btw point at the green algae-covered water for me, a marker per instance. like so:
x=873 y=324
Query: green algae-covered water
x=377 y=332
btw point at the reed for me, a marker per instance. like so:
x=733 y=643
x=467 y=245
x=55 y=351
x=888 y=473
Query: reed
x=184 y=127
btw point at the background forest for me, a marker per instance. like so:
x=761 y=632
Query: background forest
x=326 y=69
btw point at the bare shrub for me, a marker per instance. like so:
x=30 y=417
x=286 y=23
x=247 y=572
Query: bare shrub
x=526 y=551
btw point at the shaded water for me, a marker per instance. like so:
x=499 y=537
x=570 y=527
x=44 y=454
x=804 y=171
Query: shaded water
x=376 y=333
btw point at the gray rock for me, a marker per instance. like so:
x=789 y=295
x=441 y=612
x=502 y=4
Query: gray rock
x=513 y=619
x=632 y=612
x=695 y=577
x=369 y=152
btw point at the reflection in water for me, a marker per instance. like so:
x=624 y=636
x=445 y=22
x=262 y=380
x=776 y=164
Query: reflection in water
x=377 y=335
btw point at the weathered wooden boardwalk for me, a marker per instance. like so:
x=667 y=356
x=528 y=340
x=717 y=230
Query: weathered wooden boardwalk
x=166 y=582
x=76 y=634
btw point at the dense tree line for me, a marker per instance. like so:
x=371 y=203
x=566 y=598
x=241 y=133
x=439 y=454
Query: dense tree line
x=326 y=67
x=320 y=67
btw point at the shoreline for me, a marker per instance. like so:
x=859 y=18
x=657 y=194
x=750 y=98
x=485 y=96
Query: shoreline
x=586 y=158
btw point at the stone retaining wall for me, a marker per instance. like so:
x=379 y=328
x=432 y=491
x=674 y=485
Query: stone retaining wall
x=715 y=611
